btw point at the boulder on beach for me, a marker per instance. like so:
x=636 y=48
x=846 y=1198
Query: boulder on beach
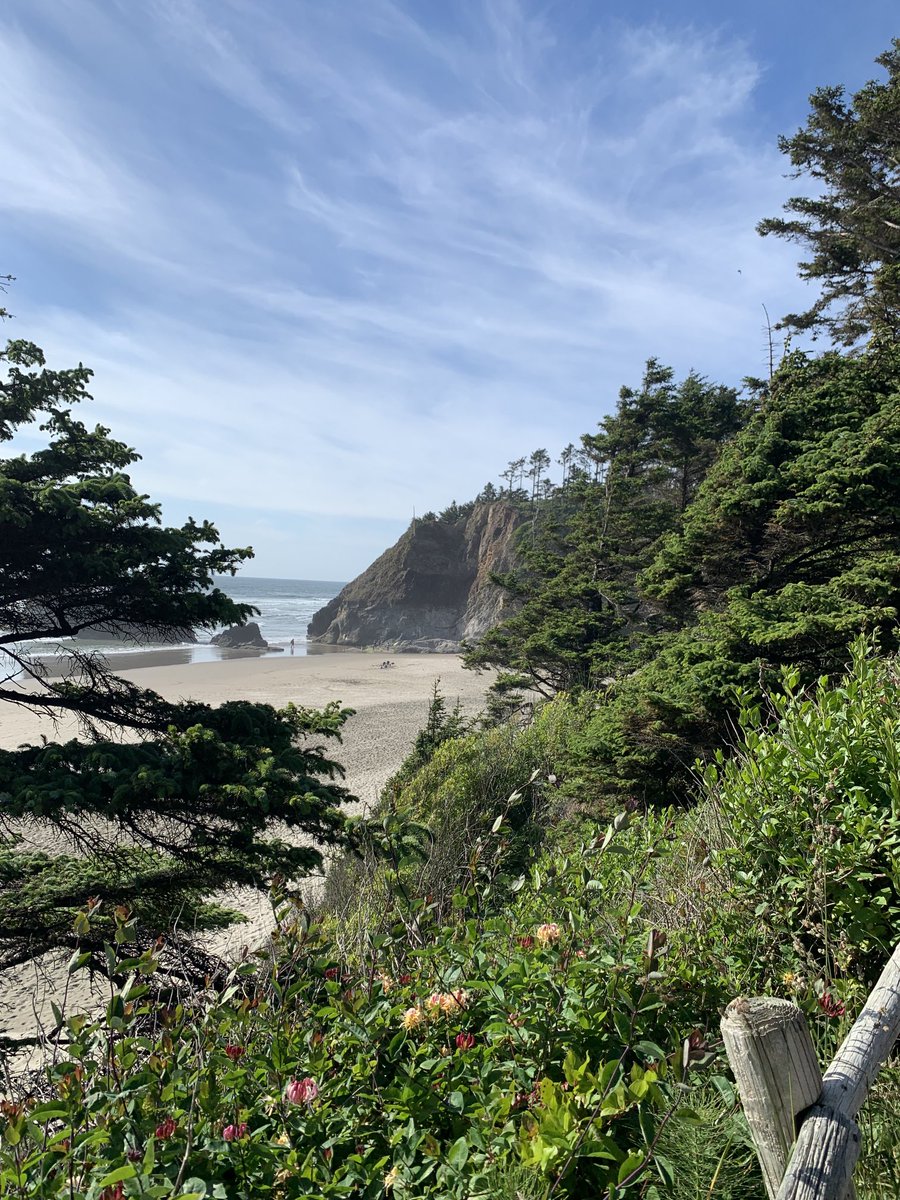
x=241 y=637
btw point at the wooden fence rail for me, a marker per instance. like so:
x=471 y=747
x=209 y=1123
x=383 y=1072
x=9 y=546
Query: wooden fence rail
x=803 y=1124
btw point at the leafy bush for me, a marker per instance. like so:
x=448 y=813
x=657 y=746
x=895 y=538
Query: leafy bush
x=456 y=1062
x=809 y=815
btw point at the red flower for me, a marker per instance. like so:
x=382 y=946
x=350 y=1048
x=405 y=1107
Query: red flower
x=465 y=1041
x=831 y=1007
x=527 y=942
x=166 y=1129
x=404 y=979
x=333 y=973
x=234 y=1052
x=114 y=1192
x=232 y=1133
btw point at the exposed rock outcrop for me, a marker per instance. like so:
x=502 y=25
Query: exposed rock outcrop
x=241 y=637
x=431 y=590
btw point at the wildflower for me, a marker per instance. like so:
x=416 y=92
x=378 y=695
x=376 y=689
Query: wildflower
x=327 y=1153
x=413 y=1018
x=405 y=979
x=135 y=1155
x=333 y=973
x=113 y=1192
x=791 y=980
x=386 y=982
x=527 y=942
x=548 y=934
x=302 y=1091
x=465 y=1041
x=581 y=953
x=831 y=1007
x=391 y=1178
x=234 y=1052
x=445 y=1003
x=433 y=1004
x=694 y=1048
x=166 y=1129
x=232 y=1133
x=282 y=1139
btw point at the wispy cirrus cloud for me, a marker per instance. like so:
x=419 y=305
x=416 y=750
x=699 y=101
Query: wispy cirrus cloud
x=333 y=262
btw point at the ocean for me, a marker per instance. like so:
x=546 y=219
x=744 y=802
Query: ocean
x=286 y=607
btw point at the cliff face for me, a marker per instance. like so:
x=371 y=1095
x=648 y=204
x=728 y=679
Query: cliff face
x=430 y=590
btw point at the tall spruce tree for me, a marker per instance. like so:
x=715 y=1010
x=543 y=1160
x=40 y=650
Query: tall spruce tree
x=157 y=805
x=793 y=544
x=851 y=149
x=789 y=551
x=578 y=613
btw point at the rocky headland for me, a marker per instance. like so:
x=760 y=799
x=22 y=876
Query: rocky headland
x=431 y=590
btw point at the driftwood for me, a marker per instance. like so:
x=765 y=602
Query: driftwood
x=776 y=1071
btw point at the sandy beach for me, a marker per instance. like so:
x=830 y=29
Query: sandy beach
x=390 y=709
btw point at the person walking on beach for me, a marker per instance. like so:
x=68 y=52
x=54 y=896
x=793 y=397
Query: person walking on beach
x=292 y=645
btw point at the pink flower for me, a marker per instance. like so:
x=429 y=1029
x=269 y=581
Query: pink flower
x=465 y=1041
x=232 y=1133
x=166 y=1129
x=234 y=1052
x=302 y=1091
x=831 y=1007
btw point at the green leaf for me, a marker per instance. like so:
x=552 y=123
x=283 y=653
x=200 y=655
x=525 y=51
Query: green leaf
x=120 y=1173
x=458 y=1154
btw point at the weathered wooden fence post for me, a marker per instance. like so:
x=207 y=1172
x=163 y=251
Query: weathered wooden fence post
x=774 y=1063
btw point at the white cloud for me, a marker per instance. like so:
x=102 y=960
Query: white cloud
x=342 y=264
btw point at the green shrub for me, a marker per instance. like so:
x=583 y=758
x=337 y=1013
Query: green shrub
x=456 y=1060
x=809 y=817
x=429 y=823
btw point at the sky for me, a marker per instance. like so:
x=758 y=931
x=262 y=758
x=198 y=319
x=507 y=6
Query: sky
x=334 y=262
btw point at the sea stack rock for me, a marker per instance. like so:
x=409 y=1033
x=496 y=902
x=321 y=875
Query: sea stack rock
x=431 y=590
x=241 y=637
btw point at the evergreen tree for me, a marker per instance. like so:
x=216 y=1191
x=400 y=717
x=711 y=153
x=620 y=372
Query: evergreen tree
x=160 y=804
x=794 y=540
x=852 y=229
x=578 y=609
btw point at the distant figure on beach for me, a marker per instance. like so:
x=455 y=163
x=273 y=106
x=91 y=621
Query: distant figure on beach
x=292 y=645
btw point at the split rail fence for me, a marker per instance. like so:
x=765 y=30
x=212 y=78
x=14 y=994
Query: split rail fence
x=803 y=1123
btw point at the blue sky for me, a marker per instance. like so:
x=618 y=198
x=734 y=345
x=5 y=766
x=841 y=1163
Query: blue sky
x=336 y=260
